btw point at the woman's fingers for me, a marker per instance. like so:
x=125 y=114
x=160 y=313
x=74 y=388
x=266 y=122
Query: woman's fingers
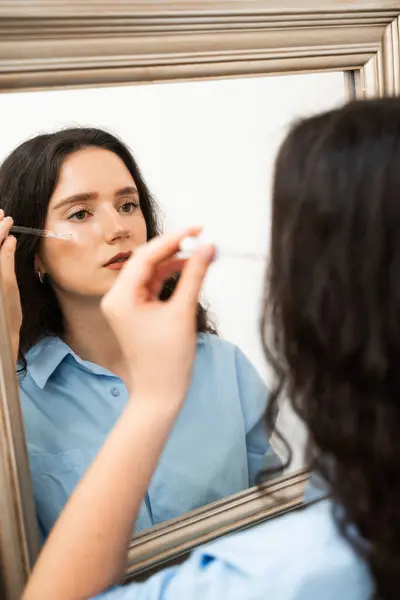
x=10 y=287
x=163 y=272
x=193 y=273
x=142 y=278
x=7 y=250
x=7 y=261
x=155 y=270
x=5 y=226
x=139 y=275
x=141 y=267
x=169 y=267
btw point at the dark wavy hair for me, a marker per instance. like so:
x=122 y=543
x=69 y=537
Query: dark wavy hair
x=331 y=320
x=28 y=178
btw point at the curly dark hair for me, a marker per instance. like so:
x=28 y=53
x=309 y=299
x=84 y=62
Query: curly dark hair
x=28 y=178
x=331 y=320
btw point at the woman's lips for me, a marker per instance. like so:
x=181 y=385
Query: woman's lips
x=116 y=266
x=117 y=262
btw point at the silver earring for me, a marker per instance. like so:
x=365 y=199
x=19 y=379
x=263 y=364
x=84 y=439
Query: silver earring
x=40 y=276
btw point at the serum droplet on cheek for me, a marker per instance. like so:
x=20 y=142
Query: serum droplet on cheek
x=66 y=232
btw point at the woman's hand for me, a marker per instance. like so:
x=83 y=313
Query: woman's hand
x=158 y=338
x=9 y=281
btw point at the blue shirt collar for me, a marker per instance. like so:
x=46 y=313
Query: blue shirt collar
x=44 y=358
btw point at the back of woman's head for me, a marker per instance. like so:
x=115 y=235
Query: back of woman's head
x=332 y=315
x=28 y=178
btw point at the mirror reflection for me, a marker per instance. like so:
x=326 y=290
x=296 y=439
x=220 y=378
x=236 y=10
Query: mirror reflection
x=113 y=168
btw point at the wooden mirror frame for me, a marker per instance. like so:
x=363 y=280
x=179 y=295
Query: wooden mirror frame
x=53 y=44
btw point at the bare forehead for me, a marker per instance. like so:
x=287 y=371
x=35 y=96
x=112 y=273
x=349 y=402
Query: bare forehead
x=91 y=161
x=92 y=171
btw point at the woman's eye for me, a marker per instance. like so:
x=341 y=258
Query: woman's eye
x=129 y=207
x=79 y=215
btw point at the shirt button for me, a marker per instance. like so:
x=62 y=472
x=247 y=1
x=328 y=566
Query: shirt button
x=115 y=391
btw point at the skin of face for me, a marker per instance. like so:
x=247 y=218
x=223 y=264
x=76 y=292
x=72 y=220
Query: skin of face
x=97 y=202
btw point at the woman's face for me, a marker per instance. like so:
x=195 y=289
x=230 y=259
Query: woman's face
x=96 y=200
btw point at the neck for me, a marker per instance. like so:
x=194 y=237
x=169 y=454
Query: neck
x=90 y=337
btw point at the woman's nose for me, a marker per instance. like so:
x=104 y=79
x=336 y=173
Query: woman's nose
x=113 y=227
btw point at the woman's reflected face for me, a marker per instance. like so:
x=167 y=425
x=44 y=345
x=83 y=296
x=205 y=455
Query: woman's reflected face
x=95 y=200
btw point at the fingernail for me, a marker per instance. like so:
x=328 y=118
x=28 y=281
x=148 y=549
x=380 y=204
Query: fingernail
x=8 y=219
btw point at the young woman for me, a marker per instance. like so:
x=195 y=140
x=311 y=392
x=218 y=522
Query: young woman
x=334 y=308
x=74 y=380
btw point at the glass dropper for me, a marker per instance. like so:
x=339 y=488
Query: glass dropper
x=41 y=232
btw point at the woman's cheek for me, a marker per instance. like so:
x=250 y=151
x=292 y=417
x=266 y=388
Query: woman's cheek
x=62 y=257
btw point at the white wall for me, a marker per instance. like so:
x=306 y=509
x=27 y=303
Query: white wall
x=206 y=150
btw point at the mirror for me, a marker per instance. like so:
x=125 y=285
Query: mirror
x=206 y=151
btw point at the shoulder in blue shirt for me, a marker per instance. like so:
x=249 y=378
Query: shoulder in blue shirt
x=298 y=556
x=216 y=447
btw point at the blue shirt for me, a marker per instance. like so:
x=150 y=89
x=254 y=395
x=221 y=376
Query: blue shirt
x=215 y=449
x=298 y=556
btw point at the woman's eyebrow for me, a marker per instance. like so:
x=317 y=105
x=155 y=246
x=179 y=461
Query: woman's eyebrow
x=84 y=197
x=127 y=190
x=87 y=196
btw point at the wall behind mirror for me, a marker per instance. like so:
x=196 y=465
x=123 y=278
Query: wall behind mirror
x=206 y=150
